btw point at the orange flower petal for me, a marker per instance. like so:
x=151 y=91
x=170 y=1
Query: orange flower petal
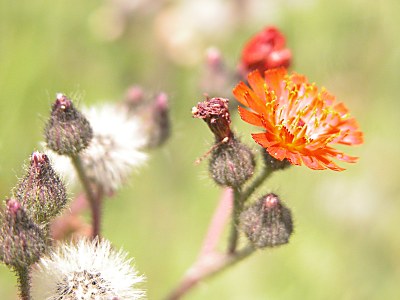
x=312 y=163
x=250 y=117
x=247 y=97
x=262 y=140
x=273 y=78
x=257 y=83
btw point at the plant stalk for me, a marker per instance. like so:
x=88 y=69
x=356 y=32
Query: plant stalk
x=207 y=267
x=24 y=283
x=237 y=208
x=93 y=198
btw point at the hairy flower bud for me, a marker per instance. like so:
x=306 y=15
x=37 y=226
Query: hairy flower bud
x=267 y=222
x=160 y=127
x=216 y=78
x=22 y=241
x=134 y=97
x=41 y=191
x=215 y=113
x=67 y=131
x=231 y=163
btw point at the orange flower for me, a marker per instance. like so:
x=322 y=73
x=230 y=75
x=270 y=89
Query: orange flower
x=301 y=122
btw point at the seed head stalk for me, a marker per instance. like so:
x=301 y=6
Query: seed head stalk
x=94 y=198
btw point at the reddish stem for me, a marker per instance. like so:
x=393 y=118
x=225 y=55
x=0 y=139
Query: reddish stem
x=94 y=197
x=218 y=221
x=210 y=262
x=205 y=267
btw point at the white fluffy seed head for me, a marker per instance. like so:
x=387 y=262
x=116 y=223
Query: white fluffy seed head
x=115 y=150
x=87 y=270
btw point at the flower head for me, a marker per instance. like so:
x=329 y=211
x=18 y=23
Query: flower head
x=88 y=270
x=266 y=50
x=114 y=151
x=215 y=113
x=301 y=122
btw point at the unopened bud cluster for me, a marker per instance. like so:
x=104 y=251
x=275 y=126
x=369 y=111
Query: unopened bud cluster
x=38 y=197
x=267 y=222
x=67 y=132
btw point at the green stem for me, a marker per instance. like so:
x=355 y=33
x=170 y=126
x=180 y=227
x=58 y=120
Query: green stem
x=206 y=267
x=237 y=208
x=24 y=283
x=93 y=199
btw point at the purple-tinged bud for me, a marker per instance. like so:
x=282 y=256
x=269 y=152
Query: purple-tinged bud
x=272 y=163
x=160 y=127
x=134 y=96
x=231 y=163
x=216 y=79
x=41 y=191
x=67 y=131
x=214 y=59
x=267 y=222
x=22 y=241
x=215 y=113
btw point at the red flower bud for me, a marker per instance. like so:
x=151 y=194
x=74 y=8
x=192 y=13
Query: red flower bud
x=266 y=50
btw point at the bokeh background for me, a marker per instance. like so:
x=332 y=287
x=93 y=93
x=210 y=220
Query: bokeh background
x=346 y=243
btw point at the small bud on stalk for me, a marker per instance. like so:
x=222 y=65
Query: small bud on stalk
x=160 y=127
x=134 y=97
x=67 y=131
x=41 y=191
x=216 y=78
x=22 y=241
x=267 y=222
x=231 y=163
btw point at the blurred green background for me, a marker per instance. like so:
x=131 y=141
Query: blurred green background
x=346 y=242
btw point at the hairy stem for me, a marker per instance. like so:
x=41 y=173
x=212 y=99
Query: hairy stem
x=24 y=283
x=93 y=198
x=206 y=267
x=265 y=173
x=237 y=208
x=218 y=221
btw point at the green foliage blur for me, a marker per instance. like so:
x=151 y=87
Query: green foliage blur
x=346 y=242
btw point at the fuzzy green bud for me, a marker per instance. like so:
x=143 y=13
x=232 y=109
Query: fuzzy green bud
x=267 y=222
x=41 y=191
x=231 y=163
x=22 y=241
x=67 y=131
